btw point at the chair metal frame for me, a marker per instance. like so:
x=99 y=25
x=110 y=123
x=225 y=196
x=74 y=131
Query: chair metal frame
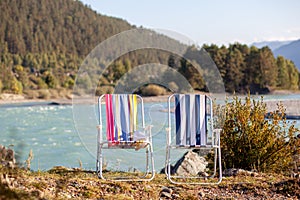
x=215 y=145
x=105 y=144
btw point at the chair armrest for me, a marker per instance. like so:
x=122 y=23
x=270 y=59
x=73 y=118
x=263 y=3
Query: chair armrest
x=149 y=127
x=148 y=132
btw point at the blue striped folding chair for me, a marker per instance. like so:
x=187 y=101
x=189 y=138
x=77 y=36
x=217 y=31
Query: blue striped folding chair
x=122 y=131
x=190 y=126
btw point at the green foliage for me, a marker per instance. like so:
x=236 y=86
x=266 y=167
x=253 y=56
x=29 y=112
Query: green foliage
x=44 y=43
x=250 y=141
x=251 y=69
x=283 y=74
x=192 y=75
x=61 y=26
x=44 y=94
x=16 y=86
x=69 y=83
x=41 y=84
x=104 y=90
x=153 y=90
x=50 y=80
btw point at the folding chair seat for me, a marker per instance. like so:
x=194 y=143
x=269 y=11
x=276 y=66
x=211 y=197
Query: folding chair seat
x=190 y=126
x=123 y=131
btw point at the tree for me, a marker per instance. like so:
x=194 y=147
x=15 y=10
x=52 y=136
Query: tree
x=268 y=68
x=252 y=75
x=192 y=75
x=219 y=57
x=293 y=75
x=21 y=75
x=283 y=79
x=50 y=80
x=234 y=71
x=16 y=86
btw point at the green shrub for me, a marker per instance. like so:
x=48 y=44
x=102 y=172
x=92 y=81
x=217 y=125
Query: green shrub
x=106 y=89
x=44 y=94
x=69 y=83
x=16 y=87
x=65 y=93
x=173 y=86
x=252 y=142
x=31 y=94
x=153 y=90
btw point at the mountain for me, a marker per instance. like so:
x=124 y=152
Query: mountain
x=271 y=44
x=290 y=51
x=43 y=44
x=63 y=26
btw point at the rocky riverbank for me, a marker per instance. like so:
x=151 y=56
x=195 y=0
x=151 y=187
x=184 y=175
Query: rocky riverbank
x=76 y=183
x=64 y=183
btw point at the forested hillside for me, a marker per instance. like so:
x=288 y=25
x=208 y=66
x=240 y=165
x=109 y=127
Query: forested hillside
x=42 y=44
x=253 y=69
x=61 y=26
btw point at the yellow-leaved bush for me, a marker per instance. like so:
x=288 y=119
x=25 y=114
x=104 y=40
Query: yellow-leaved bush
x=254 y=139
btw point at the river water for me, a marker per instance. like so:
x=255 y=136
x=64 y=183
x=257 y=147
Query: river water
x=56 y=139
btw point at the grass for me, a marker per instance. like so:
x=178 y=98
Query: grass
x=63 y=183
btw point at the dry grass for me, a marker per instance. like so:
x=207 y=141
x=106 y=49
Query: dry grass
x=63 y=183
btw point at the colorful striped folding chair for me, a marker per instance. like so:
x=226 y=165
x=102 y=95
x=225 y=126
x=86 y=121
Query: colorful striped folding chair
x=190 y=126
x=123 y=131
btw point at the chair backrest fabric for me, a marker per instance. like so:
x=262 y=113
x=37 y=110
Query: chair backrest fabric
x=121 y=114
x=190 y=117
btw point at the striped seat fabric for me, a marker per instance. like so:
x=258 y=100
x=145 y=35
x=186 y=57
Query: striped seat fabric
x=190 y=116
x=122 y=119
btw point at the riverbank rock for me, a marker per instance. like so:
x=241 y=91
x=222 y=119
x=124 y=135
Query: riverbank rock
x=190 y=164
x=166 y=193
x=238 y=172
x=7 y=157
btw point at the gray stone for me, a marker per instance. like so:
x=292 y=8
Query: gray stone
x=166 y=194
x=238 y=172
x=191 y=164
x=168 y=190
x=7 y=157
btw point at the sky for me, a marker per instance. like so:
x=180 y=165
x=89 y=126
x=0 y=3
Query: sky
x=211 y=21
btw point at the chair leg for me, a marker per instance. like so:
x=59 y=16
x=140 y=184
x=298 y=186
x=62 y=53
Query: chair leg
x=215 y=162
x=168 y=164
x=149 y=150
x=99 y=153
x=220 y=166
x=100 y=160
x=147 y=160
x=152 y=162
x=147 y=164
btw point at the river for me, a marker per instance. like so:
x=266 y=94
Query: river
x=56 y=139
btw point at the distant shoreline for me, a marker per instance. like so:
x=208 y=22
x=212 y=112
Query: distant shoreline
x=292 y=105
